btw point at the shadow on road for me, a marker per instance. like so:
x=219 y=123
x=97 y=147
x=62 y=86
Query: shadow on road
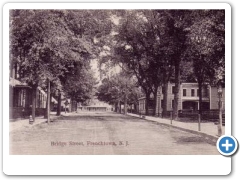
x=109 y=116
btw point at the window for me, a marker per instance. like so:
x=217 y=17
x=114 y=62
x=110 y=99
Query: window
x=21 y=102
x=192 y=92
x=197 y=92
x=172 y=103
x=184 y=92
x=162 y=103
x=151 y=104
x=173 y=89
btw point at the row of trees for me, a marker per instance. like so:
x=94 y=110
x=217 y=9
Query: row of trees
x=153 y=47
x=54 y=47
x=162 y=46
x=120 y=88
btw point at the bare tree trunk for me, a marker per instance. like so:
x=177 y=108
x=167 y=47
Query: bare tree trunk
x=75 y=105
x=200 y=98
x=48 y=105
x=136 y=109
x=48 y=102
x=46 y=110
x=71 y=104
x=165 y=97
x=59 y=104
x=220 y=104
x=176 y=90
x=119 y=107
x=155 y=108
x=15 y=71
x=34 y=90
x=147 y=104
x=125 y=104
x=51 y=96
x=116 y=107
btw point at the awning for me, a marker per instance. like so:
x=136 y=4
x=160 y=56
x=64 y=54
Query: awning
x=14 y=82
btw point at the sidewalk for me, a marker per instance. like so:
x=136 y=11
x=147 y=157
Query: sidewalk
x=19 y=123
x=208 y=129
x=14 y=125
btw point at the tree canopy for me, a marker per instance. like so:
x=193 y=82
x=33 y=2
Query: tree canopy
x=162 y=46
x=55 y=44
x=152 y=47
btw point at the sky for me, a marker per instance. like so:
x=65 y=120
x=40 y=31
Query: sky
x=94 y=66
x=94 y=62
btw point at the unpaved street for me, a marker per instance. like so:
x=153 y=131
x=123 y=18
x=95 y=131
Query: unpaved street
x=106 y=134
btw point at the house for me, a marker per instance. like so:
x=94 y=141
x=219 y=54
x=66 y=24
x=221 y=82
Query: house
x=20 y=98
x=20 y=101
x=188 y=98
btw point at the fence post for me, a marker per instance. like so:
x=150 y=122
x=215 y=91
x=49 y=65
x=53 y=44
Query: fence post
x=199 y=122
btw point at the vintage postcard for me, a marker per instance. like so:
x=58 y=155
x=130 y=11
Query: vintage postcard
x=144 y=79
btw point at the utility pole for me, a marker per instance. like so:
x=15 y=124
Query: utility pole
x=220 y=109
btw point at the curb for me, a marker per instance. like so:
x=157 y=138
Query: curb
x=209 y=138
x=52 y=119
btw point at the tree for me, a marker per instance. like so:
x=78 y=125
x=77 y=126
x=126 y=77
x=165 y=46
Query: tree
x=138 y=49
x=206 y=48
x=117 y=89
x=153 y=45
x=34 y=36
x=178 y=20
x=45 y=43
x=79 y=84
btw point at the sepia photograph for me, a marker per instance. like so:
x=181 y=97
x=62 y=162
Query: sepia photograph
x=116 y=82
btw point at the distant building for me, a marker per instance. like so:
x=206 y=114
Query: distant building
x=188 y=98
x=94 y=105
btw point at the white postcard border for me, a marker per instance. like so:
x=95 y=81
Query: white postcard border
x=113 y=164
